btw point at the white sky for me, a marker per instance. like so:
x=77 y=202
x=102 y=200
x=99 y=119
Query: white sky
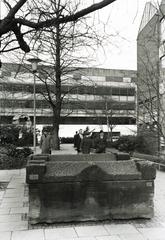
x=124 y=17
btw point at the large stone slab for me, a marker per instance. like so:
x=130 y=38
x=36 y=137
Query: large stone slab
x=67 y=191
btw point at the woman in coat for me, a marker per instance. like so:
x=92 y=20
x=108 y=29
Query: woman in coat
x=45 y=143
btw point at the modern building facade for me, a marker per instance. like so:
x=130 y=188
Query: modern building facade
x=94 y=96
x=151 y=69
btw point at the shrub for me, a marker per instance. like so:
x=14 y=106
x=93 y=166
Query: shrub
x=9 y=134
x=12 y=157
x=131 y=144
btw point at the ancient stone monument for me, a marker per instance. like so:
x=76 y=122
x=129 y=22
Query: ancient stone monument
x=67 y=188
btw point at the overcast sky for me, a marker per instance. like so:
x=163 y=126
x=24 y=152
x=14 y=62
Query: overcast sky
x=125 y=18
x=122 y=19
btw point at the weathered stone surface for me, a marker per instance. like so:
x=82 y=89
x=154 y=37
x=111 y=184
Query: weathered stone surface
x=82 y=201
x=90 y=190
x=39 y=157
x=85 y=171
x=84 y=157
x=122 y=156
x=147 y=169
x=35 y=171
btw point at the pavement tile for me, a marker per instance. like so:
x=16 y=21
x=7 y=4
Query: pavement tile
x=4 y=211
x=132 y=236
x=115 y=229
x=109 y=238
x=2 y=194
x=5 y=235
x=84 y=231
x=14 y=199
x=153 y=233
x=28 y=235
x=13 y=195
x=10 y=218
x=5 y=178
x=15 y=185
x=60 y=233
x=11 y=204
x=15 y=210
x=12 y=172
x=13 y=226
x=13 y=190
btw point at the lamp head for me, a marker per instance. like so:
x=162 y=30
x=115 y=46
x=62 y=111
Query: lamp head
x=34 y=62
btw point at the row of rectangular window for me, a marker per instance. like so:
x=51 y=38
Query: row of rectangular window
x=101 y=90
x=70 y=104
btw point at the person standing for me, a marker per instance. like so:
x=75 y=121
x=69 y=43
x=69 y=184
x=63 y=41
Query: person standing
x=79 y=141
x=101 y=142
x=45 y=143
x=75 y=139
x=87 y=141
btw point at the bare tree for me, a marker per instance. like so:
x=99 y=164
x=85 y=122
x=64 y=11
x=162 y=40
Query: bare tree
x=27 y=16
x=62 y=46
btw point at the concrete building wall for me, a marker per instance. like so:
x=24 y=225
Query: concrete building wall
x=98 y=93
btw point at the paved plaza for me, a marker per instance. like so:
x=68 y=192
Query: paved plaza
x=14 y=207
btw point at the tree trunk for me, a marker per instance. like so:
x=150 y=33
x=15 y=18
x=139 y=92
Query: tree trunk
x=57 y=108
x=55 y=137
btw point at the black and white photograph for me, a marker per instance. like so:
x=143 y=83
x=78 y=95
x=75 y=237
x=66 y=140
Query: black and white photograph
x=82 y=120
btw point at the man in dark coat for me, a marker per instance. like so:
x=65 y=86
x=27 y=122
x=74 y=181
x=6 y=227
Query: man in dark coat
x=101 y=142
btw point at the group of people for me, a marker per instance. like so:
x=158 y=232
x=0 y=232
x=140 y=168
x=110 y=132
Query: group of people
x=84 y=141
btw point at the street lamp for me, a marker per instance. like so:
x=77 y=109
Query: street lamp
x=34 y=62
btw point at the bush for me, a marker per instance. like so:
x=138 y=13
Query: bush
x=9 y=134
x=67 y=140
x=12 y=157
x=132 y=143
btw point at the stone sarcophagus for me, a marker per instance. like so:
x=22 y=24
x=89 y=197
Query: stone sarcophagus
x=83 y=188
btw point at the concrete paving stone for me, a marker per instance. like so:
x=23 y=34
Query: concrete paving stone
x=132 y=236
x=11 y=190
x=81 y=238
x=163 y=223
x=2 y=194
x=12 y=172
x=10 y=218
x=14 y=199
x=4 y=211
x=15 y=185
x=28 y=235
x=13 y=195
x=19 y=210
x=11 y=204
x=5 y=178
x=153 y=233
x=5 y=235
x=84 y=231
x=60 y=233
x=115 y=229
x=114 y=237
x=13 y=226
x=23 y=171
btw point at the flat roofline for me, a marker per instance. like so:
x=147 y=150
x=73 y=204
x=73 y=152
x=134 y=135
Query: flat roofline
x=82 y=68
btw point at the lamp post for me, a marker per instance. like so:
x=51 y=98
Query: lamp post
x=34 y=62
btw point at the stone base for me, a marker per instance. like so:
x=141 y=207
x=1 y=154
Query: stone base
x=86 y=201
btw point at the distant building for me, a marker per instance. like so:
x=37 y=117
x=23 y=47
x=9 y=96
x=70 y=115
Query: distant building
x=151 y=68
x=95 y=95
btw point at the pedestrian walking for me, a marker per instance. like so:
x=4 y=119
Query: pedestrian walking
x=45 y=143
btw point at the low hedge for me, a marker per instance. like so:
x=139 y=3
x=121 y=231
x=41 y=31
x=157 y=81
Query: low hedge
x=12 y=157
